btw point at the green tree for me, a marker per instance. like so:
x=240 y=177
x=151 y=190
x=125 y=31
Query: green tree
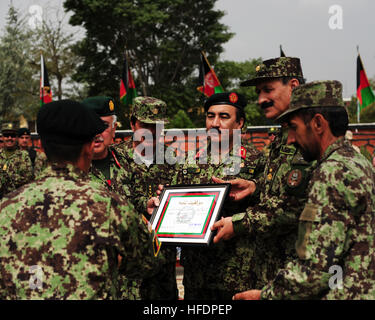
x=162 y=39
x=18 y=84
x=53 y=39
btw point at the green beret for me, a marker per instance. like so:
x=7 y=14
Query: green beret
x=231 y=98
x=8 y=127
x=276 y=68
x=316 y=94
x=22 y=131
x=103 y=106
x=68 y=122
x=149 y=110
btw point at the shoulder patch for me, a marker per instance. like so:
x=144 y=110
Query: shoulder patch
x=294 y=178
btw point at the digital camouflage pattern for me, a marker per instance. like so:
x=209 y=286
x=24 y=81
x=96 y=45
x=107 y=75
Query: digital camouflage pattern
x=220 y=270
x=16 y=169
x=276 y=68
x=41 y=163
x=316 y=94
x=149 y=109
x=336 y=228
x=272 y=223
x=144 y=184
x=119 y=183
x=73 y=230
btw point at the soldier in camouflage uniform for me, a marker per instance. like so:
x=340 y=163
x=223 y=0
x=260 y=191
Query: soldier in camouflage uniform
x=208 y=270
x=272 y=223
x=146 y=175
x=61 y=235
x=15 y=164
x=337 y=224
x=111 y=169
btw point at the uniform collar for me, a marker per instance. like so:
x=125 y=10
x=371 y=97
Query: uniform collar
x=338 y=144
x=63 y=170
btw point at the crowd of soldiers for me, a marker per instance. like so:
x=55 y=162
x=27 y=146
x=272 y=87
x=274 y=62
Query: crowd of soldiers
x=74 y=220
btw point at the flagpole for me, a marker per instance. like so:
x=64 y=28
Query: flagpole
x=358 y=107
x=213 y=72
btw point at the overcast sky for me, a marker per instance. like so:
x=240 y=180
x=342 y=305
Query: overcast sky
x=300 y=26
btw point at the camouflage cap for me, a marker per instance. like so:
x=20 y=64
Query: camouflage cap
x=316 y=94
x=101 y=105
x=149 y=110
x=275 y=68
x=8 y=127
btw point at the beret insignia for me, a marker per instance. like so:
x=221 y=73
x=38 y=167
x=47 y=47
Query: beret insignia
x=111 y=105
x=233 y=97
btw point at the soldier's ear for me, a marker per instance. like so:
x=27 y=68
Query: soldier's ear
x=319 y=124
x=294 y=83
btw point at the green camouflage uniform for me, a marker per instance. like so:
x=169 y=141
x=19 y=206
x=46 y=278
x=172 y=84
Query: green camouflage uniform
x=220 y=270
x=280 y=192
x=117 y=168
x=16 y=165
x=144 y=183
x=40 y=163
x=72 y=230
x=337 y=224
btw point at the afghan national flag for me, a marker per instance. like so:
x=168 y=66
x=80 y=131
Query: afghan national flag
x=282 y=54
x=364 y=93
x=127 y=86
x=45 y=89
x=207 y=76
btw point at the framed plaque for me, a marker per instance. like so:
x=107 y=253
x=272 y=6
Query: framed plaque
x=186 y=213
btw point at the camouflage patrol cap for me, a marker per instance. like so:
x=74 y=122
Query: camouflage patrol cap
x=68 y=122
x=8 y=127
x=103 y=106
x=149 y=110
x=316 y=94
x=275 y=68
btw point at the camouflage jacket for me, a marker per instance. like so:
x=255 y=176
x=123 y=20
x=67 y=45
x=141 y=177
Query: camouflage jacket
x=220 y=270
x=144 y=183
x=336 y=229
x=119 y=182
x=272 y=223
x=40 y=163
x=17 y=169
x=61 y=236
x=120 y=173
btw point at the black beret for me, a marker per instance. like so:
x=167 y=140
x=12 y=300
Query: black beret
x=68 y=122
x=22 y=131
x=103 y=106
x=232 y=98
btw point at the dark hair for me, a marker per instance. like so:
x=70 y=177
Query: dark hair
x=285 y=80
x=57 y=152
x=133 y=120
x=337 y=118
x=240 y=114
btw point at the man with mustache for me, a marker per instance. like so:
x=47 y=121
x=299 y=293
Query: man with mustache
x=15 y=164
x=335 y=255
x=280 y=189
x=216 y=272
